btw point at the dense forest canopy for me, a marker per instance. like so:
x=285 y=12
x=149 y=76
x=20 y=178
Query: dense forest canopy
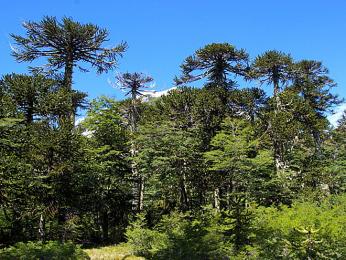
x=220 y=171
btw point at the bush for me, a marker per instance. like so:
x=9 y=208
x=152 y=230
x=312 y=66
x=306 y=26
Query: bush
x=144 y=241
x=180 y=236
x=305 y=230
x=51 y=250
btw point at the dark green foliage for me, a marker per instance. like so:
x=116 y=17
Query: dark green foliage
x=105 y=189
x=313 y=82
x=65 y=43
x=273 y=67
x=248 y=103
x=214 y=62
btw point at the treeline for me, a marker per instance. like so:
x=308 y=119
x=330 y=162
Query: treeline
x=200 y=173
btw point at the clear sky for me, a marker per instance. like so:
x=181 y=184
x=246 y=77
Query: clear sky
x=160 y=34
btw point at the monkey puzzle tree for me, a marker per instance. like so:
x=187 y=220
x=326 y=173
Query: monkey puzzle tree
x=28 y=93
x=214 y=62
x=313 y=83
x=65 y=44
x=134 y=83
x=274 y=68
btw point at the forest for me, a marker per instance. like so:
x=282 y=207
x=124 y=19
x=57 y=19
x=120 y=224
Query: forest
x=212 y=169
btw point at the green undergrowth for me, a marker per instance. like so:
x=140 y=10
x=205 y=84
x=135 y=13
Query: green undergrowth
x=51 y=250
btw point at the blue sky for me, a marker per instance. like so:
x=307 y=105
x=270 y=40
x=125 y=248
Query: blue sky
x=160 y=34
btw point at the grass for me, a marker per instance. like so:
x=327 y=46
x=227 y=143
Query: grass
x=117 y=252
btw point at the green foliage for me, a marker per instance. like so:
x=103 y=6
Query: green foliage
x=214 y=62
x=181 y=236
x=62 y=41
x=37 y=250
x=144 y=241
x=216 y=172
x=304 y=231
x=104 y=186
x=273 y=67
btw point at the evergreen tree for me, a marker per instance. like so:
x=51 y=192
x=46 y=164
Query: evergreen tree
x=108 y=172
x=313 y=83
x=134 y=83
x=65 y=44
x=214 y=62
x=274 y=68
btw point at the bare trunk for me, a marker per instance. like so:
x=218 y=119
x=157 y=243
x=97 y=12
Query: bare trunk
x=41 y=228
x=135 y=178
x=68 y=86
x=184 y=200
x=183 y=189
x=105 y=226
x=277 y=145
x=141 y=193
x=279 y=156
x=68 y=74
x=138 y=180
x=30 y=112
x=217 y=199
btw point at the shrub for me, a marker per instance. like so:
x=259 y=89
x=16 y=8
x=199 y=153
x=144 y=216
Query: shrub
x=51 y=250
x=305 y=230
x=144 y=241
x=180 y=236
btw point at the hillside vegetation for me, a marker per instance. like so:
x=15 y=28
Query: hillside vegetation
x=221 y=171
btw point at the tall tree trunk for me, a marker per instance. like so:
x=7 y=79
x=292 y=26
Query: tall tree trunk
x=184 y=200
x=277 y=144
x=135 y=179
x=41 y=228
x=279 y=155
x=217 y=199
x=61 y=223
x=141 y=193
x=275 y=79
x=138 y=180
x=68 y=73
x=105 y=226
x=30 y=111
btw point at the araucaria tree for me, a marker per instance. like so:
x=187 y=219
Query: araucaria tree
x=274 y=68
x=66 y=44
x=313 y=83
x=134 y=83
x=214 y=62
